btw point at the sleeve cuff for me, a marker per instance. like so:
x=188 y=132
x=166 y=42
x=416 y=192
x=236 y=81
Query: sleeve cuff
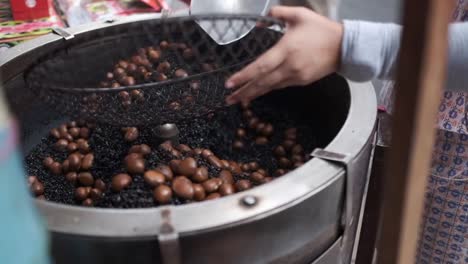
x=368 y=50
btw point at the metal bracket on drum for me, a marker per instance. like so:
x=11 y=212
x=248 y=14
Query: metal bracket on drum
x=331 y=156
x=347 y=218
x=63 y=33
x=165 y=13
x=169 y=245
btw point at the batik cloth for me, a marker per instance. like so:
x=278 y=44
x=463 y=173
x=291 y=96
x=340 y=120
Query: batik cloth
x=443 y=232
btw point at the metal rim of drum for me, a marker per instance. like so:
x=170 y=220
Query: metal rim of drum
x=271 y=198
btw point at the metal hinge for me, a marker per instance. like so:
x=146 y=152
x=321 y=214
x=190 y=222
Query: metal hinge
x=331 y=156
x=344 y=160
x=63 y=33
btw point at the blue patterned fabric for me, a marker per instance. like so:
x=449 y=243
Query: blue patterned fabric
x=444 y=236
x=443 y=232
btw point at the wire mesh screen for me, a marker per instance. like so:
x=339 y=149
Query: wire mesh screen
x=150 y=72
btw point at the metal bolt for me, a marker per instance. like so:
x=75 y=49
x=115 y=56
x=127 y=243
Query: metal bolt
x=165 y=13
x=166 y=132
x=249 y=201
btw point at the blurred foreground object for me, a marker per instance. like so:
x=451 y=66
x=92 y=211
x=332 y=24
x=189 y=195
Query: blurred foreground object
x=328 y=8
x=24 y=239
x=78 y=12
x=420 y=77
x=30 y=9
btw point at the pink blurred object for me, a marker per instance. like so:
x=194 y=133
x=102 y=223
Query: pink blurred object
x=157 y=5
x=30 y=9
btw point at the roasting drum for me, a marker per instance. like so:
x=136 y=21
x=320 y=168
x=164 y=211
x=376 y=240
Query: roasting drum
x=306 y=216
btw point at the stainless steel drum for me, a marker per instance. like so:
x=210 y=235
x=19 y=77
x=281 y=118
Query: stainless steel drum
x=309 y=215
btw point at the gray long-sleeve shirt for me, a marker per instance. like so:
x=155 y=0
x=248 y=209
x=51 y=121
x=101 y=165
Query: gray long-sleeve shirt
x=370 y=50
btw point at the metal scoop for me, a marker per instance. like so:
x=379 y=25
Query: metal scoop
x=227 y=32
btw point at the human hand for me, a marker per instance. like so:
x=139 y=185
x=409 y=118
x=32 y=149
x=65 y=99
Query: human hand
x=309 y=51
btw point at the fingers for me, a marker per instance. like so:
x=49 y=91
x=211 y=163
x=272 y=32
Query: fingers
x=265 y=73
x=264 y=24
x=287 y=14
x=258 y=92
x=243 y=94
x=258 y=86
x=284 y=84
x=273 y=57
x=260 y=67
x=277 y=86
x=272 y=80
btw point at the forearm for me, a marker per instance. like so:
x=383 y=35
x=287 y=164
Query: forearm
x=370 y=50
